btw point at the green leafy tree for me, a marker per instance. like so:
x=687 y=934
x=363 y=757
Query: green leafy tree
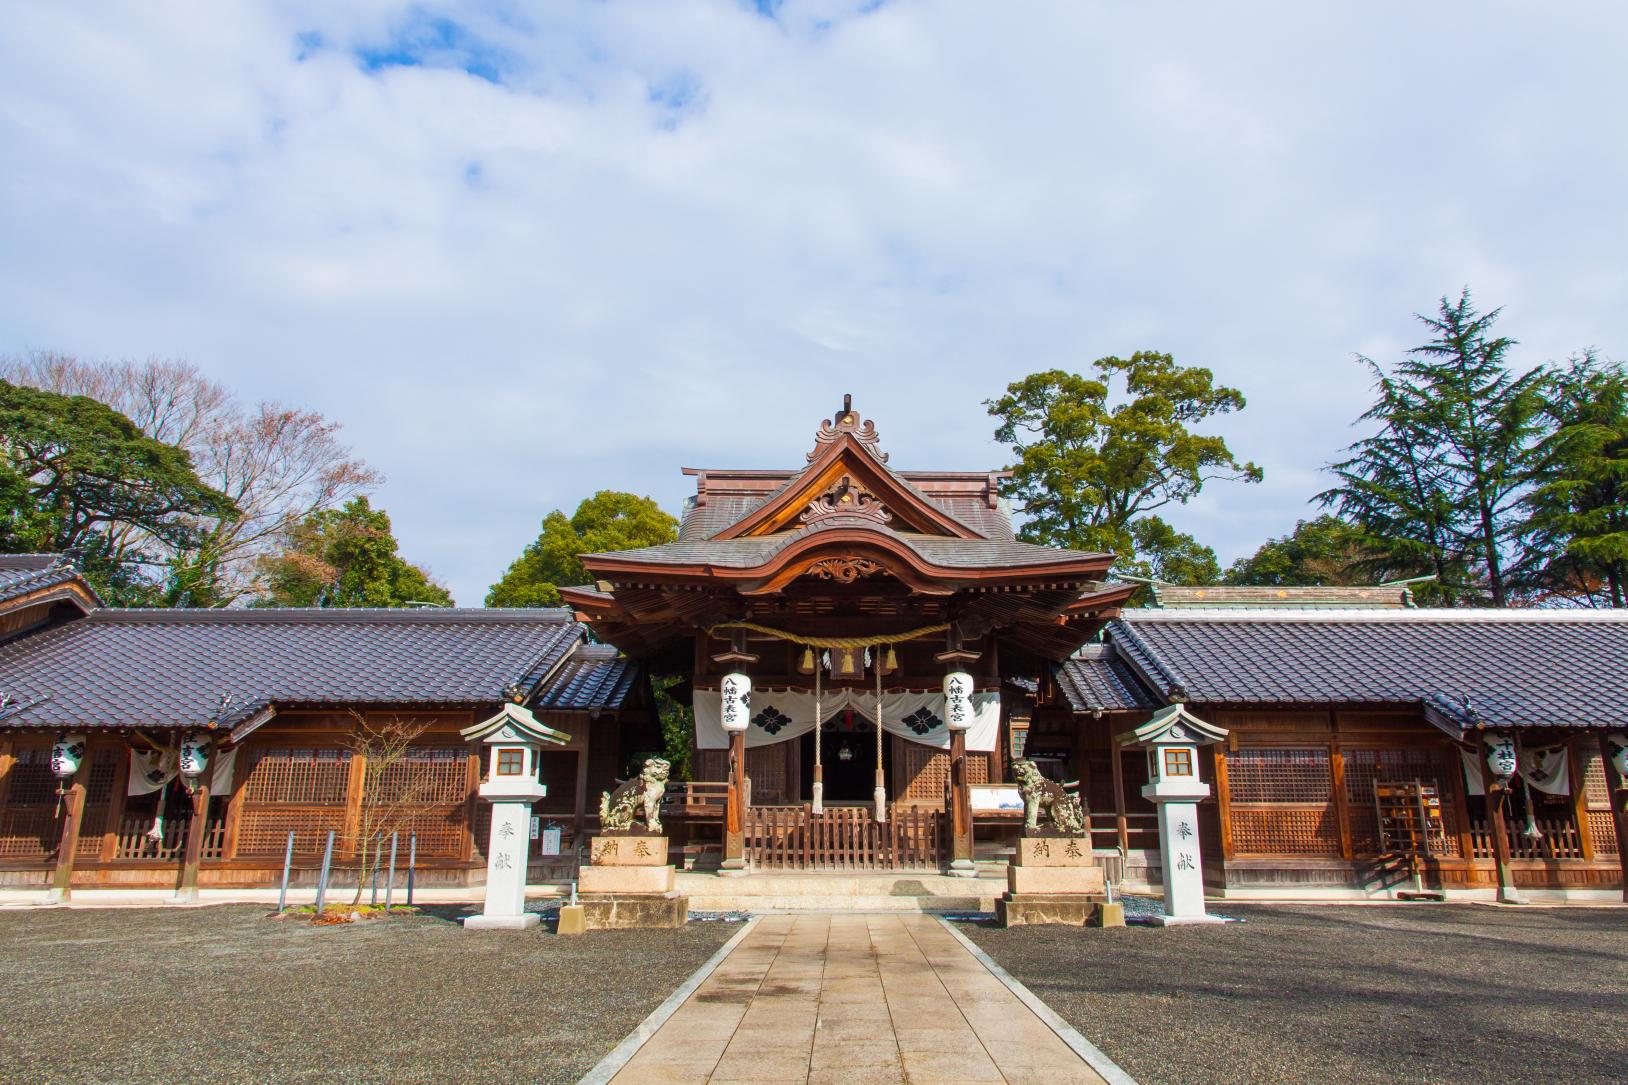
x=1096 y=456
x=1167 y=555
x=1577 y=530
x=607 y=521
x=78 y=476
x=345 y=557
x=1440 y=487
x=1322 y=551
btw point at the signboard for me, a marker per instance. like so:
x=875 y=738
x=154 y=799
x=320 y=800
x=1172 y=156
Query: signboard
x=997 y=799
x=551 y=841
x=536 y=825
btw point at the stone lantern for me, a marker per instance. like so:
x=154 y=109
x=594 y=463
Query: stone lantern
x=1172 y=738
x=512 y=739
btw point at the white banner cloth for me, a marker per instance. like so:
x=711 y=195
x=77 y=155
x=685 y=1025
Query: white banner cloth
x=152 y=769
x=782 y=715
x=1546 y=770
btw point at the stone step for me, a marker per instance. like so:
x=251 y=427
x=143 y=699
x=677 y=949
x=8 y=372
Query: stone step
x=836 y=892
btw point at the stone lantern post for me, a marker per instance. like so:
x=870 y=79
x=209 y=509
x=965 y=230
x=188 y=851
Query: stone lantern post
x=1172 y=738
x=512 y=738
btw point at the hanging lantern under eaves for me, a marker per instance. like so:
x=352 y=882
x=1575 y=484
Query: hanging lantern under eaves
x=66 y=754
x=194 y=761
x=1617 y=745
x=735 y=707
x=1501 y=759
x=958 y=700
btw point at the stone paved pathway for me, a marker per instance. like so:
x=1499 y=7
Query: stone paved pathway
x=853 y=1000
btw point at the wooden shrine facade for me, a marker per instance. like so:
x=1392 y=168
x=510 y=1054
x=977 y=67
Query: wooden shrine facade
x=1327 y=711
x=844 y=592
x=276 y=699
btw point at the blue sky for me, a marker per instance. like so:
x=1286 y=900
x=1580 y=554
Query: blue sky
x=529 y=251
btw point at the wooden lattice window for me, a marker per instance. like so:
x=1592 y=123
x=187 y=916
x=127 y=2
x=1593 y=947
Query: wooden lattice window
x=1602 y=830
x=1178 y=762
x=1363 y=767
x=301 y=775
x=766 y=765
x=29 y=830
x=511 y=762
x=1281 y=802
x=437 y=774
x=99 y=772
x=30 y=783
x=927 y=772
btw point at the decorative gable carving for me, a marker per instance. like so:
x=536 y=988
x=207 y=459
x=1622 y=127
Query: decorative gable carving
x=847 y=499
x=848 y=422
x=844 y=570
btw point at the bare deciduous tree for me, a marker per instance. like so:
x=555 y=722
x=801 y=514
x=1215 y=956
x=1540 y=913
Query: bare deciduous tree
x=392 y=792
x=278 y=463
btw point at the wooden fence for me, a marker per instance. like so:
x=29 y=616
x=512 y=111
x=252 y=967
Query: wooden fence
x=1559 y=839
x=844 y=838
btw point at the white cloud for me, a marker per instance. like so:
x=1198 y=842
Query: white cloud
x=676 y=232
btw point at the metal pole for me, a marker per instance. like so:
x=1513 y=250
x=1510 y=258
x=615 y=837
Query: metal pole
x=412 y=865
x=288 y=862
x=390 y=885
x=322 y=879
x=378 y=842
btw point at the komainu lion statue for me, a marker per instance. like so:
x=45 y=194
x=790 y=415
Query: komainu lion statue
x=640 y=795
x=1064 y=809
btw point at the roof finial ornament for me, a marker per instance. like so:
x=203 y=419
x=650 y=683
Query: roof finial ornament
x=848 y=421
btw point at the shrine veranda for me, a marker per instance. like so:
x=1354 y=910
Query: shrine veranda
x=868 y=652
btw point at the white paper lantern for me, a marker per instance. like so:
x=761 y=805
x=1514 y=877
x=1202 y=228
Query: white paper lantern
x=958 y=700
x=66 y=754
x=1501 y=760
x=736 y=706
x=1617 y=743
x=194 y=756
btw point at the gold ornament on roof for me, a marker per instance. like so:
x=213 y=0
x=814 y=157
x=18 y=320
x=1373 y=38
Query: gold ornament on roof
x=846 y=498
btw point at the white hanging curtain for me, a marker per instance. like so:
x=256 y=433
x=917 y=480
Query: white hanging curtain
x=782 y=715
x=1545 y=769
x=151 y=770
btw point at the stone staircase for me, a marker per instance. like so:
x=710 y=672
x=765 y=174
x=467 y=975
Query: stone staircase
x=828 y=891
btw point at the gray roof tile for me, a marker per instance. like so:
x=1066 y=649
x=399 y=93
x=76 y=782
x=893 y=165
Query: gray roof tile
x=23 y=574
x=1096 y=679
x=596 y=678
x=169 y=668
x=1515 y=668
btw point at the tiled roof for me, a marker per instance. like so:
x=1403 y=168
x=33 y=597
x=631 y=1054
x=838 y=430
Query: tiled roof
x=750 y=552
x=1177 y=596
x=702 y=521
x=171 y=668
x=1498 y=668
x=23 y=574
x=595 y=678
x=1096 y=679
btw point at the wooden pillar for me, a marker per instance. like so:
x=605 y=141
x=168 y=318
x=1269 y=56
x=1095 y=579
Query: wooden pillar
x=1617 y=791
x=73 y=804
x=115 y=806
x=1497 y=795
x=1223 y=794
x=735 y=805
x=579 y=816
x=1579 y=795
x=196 y=829
x=1342 y=804
x=960 y=808
x=1122 y=825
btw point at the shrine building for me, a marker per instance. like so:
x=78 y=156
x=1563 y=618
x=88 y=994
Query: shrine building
x=864 y=650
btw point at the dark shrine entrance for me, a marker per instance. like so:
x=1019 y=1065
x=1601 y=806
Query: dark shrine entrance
x=848 y=751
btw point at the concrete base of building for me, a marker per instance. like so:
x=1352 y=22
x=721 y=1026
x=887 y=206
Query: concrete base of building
x=1064 y=909
x=626 y=911
x=502 y=922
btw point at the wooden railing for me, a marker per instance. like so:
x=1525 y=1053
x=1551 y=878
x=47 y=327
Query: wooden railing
x=134 y=842
x=1141 y=831
x=1559 y=840
x=844 y=838
x=29 y=833
x=700 y=799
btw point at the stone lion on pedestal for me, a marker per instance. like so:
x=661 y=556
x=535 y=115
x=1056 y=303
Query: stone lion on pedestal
x=1040 y=795
x=639 y=796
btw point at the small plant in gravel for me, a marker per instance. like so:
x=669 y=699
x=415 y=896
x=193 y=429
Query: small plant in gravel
x=344 y=913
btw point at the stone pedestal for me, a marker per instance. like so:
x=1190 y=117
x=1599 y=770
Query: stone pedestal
x=628 y=882
x=1052 y=879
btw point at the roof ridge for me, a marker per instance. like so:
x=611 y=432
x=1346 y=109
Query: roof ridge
x=329 y=615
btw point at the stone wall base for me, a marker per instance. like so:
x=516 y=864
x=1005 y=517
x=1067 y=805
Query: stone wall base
x=623 y=911
x=1069 y=909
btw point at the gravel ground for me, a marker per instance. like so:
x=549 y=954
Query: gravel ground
x=1336 y=995
x=223 y=994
